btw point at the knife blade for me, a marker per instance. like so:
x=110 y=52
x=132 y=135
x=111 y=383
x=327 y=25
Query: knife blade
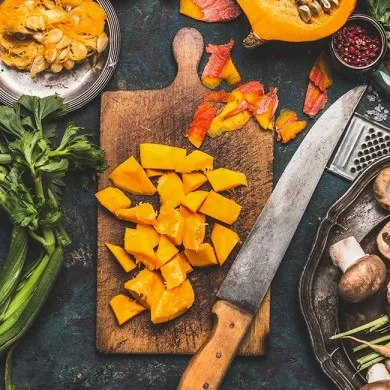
x=251 y=274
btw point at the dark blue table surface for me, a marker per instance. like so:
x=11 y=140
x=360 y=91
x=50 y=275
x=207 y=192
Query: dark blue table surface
x=59 y=351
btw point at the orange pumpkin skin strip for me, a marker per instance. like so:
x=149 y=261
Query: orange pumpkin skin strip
x=264 y=107
x=199 y=126
x=219 y=97
x=210 y=10
x=213 y=71
x=288 y=125
x=315 y=100
x=320 y=74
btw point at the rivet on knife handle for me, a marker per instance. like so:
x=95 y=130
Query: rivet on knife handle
x=209 y=365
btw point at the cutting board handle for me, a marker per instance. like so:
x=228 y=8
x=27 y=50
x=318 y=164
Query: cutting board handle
x=187 y=48
x=210 y=363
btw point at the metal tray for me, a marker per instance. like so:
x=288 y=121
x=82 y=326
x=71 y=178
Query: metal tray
x=78 y=86
x=355 y=213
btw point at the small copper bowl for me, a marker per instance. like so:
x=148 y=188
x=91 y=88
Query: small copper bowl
x=339 y=64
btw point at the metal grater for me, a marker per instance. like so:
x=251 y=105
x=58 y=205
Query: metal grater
x=364 y=141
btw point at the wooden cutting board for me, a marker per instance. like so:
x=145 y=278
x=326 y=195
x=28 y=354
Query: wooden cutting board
x=129 y=118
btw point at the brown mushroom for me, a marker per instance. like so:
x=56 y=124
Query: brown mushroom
x=383 y=241
x=363 y=275
x=378 y=378
x=382 y=188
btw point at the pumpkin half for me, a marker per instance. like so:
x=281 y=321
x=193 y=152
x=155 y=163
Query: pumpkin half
x=290 y=21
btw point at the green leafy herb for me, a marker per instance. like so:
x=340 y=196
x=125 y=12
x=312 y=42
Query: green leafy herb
x=32 y=172
x=380 y=10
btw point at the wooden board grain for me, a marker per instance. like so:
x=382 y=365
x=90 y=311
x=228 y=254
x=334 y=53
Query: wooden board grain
x=129 y=118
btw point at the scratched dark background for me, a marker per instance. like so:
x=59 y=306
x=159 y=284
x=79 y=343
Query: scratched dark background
x=59 y=351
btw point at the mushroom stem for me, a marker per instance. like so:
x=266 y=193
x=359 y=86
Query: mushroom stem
x=377 y=372
x=345 y=253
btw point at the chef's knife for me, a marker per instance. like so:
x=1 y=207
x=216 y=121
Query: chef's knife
x=251 y=274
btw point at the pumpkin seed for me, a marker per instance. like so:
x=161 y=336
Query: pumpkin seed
x=35 y=23
x=102 y=42
x=69 y=64
x=335 y=3
x=51 y=54
x=38 y=65
x=304 y=13
x=63 y=43
x=314 y=7
x=56 y=67
x=39 y=37
x=54 y=36
x=79 y=51
x=325 y=5
x=63 y=54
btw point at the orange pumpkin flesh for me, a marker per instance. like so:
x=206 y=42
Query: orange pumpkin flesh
x=279 y=20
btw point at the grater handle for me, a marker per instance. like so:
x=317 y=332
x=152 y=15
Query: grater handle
x=381 y=77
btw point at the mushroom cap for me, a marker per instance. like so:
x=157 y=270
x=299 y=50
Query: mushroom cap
x=362 y=279
x=378 y=385
x=383 y=241
x=382 y=188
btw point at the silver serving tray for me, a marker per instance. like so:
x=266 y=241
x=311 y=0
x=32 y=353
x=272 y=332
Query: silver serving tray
x=355 y=213
x=78 y=86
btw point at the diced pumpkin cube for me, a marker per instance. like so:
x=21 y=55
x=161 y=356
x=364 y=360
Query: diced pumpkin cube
x=192 y=181
x=170 y=189
x=194 y=229
x=224 y=241
x=173 y=303
x=157 y=156
x=196 y=161
x=131 y=177
x=153 y=236
x=194 y=200
x=125 y=308
x=143 y=213
x=165 y=251
x=173 y=272
x=184 y=263
x=222 y=179
x=153 y=172
x=122 y=257
x=113 y=199
x=203 y=257
x=220 y=208
x=147 y=287
x=138 y=244
x=150 y=264
x=170 y=223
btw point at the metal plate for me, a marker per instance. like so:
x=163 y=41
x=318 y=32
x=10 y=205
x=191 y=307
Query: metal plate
x=78 y=86
x=364 y=142
x=355 y=213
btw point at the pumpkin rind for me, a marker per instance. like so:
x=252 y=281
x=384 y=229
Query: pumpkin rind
x=279 y=20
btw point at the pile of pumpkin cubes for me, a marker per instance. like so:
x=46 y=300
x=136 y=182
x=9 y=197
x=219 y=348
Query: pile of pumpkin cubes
x=154 y=243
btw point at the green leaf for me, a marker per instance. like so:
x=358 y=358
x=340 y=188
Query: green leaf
x=380 y=10
x=10 y=122
x=43 y=108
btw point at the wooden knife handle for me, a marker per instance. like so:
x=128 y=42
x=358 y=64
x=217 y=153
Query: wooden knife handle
x=209 y=365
